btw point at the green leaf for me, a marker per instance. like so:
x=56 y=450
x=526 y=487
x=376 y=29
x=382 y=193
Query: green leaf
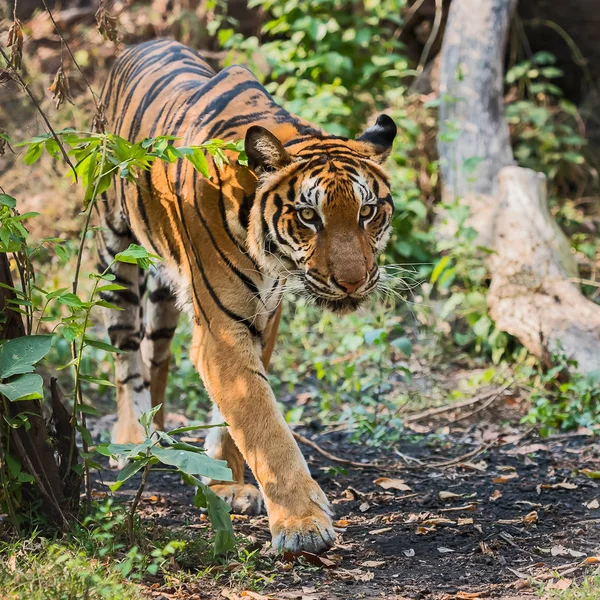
x=71 y=300
x=218 y=513
x=194 y=463
x=20 y=354
x=403 y=344
x=137 y=255
x=437 y=271
x=33 y=153
x=129 y=471
x=101 y=345
x=7 y=200
x=124 y=450
x=28 y=386
x=97 y=380
x=198 y=159
x=195 y=427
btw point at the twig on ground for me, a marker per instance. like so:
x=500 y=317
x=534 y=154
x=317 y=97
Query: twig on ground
x=485 y=405
x=458 y=459
x=333 y=458
x=440 y=410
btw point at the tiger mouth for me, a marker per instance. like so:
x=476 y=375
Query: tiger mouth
x=342 y=306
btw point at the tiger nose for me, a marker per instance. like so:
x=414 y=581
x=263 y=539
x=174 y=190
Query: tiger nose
x=351 y=286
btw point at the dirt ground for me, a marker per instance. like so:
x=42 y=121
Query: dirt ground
x=467 y=513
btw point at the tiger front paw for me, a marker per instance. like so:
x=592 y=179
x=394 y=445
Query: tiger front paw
x=303 y=534
x=306 y=529
x=244 y=499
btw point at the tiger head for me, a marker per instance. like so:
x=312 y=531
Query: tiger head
x=322 y=211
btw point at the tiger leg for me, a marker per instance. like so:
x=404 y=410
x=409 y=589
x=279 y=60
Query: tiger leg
x=243 y=498
x=160 y=321
x=125 y=332
x=232 y=370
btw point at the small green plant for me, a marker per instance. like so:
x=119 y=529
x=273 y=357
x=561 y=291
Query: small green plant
x=67 y=314
x=563 y=398
x=189 y=461
x=41 y=570
x=332 y=60
x=546 y=128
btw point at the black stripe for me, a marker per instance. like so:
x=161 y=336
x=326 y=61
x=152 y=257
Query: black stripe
x=165 y=333
x=129 y=378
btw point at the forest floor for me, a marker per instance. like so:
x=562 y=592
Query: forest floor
x=480 y=511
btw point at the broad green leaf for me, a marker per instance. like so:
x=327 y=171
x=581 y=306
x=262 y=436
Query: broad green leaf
x=124 y=450
x=7 y=200
x=28 y=386
x=129 y=471
x=403 y=344
x=194 y=463
x=70 y=299
x=218 y=513
x=20 y=354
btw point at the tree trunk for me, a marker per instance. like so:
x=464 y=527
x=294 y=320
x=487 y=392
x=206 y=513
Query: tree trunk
x=533 y=293
x=33 y=447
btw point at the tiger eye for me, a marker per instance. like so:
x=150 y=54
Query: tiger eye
x=366 y=211
x=308 y=214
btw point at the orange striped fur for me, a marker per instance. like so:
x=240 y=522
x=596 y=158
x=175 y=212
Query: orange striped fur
x=310 y=214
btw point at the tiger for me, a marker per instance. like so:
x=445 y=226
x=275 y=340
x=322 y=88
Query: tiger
x=310 y=212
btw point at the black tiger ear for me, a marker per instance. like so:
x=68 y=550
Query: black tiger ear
x=380 y=136
x=265 y=152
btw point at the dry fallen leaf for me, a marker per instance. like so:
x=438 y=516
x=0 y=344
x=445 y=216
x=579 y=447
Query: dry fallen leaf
x=449 y=495
x=562 y=584
x=465 y=521
x=254 y=595
x=313 y=559
x=495 y=495
x=593 y=504
x=364 y=507
x=392 y=484
x=467 y=596
x=341 y=523
x=505 y=478
x=424 y=530
x=531 y=517
x=485 y=549
x=443 y=550
x=372 y=564
x=410 y=552
x=478 y=466
x=470 y=506
x=563 y=485
x=438 y=521
x=560 y=550
x=592 y=560
x=531 y=448
x=378 y=531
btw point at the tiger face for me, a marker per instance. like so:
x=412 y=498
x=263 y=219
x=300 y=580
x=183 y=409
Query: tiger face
x=322 y=212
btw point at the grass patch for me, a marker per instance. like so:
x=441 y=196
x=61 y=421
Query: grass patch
x=588 y=590
x=43 y=570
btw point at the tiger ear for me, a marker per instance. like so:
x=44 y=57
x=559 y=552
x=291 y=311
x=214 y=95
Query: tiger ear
x=380 y=136
x=265 y=152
